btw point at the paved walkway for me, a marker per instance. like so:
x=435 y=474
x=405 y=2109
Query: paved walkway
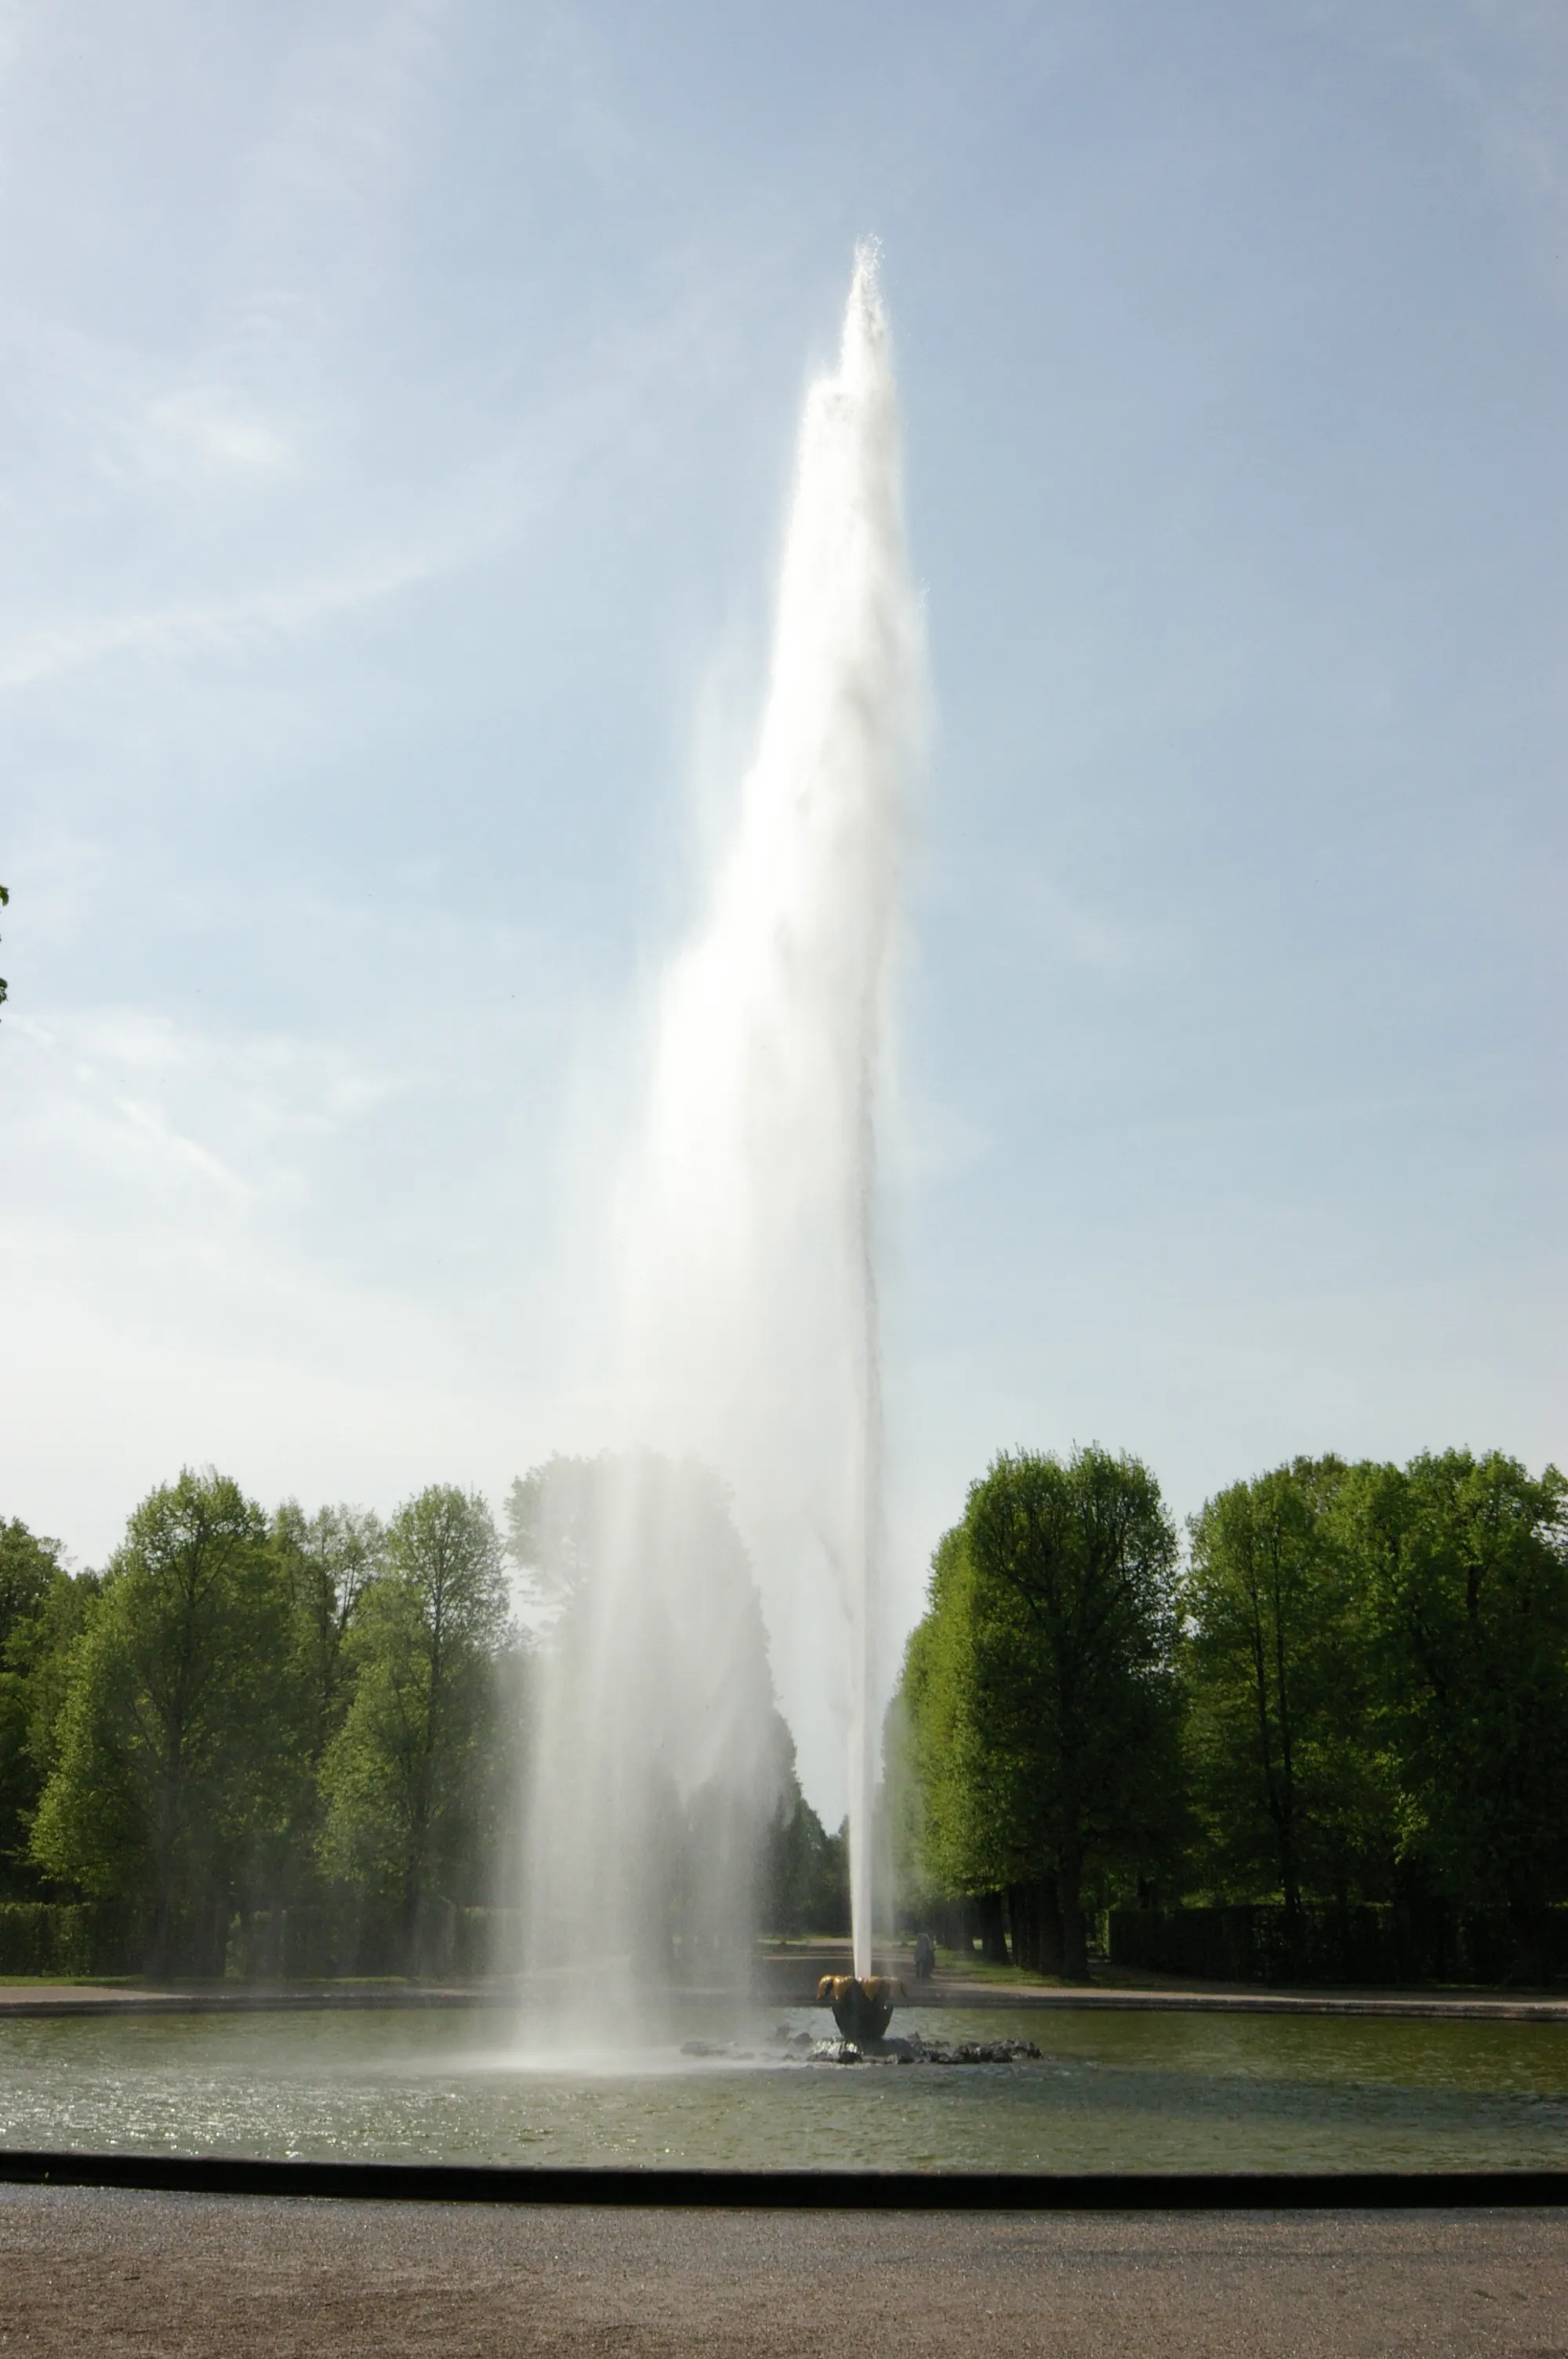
x=262 y=1998
x=181 y=2276
x=1166 y=2000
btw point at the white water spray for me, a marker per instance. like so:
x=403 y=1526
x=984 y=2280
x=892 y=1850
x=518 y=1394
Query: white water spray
x=748 y=1227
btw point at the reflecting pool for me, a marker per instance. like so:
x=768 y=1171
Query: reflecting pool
x=1111 y=2092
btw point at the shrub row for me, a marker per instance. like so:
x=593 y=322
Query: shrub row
x=1378 y=1944
x=84 y=1938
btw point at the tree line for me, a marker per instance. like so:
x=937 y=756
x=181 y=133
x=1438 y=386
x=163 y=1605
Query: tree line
x=246 y=1714
x=297 y=1742
x=1350 y=1691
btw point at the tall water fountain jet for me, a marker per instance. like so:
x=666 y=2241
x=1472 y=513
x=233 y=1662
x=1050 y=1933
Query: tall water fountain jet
x=747 y=1245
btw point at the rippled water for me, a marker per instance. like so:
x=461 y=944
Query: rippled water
x=1129 y=2092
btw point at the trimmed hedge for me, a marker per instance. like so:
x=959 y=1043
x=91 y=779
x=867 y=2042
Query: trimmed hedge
x=320 y=1940
x=45 y=1936
x=303 y=1944
x=1376 y=1945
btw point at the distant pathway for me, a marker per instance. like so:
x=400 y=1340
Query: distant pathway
x=262 y=1998
x=1110 y=1999
x=783 y=1983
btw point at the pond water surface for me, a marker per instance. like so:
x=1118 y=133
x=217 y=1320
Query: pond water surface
x=1112 y=2092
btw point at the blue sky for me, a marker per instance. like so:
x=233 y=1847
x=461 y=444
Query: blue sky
x=396 y=407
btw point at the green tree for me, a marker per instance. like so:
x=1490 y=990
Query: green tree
x=1465 y=1563
x=1284 y=1779
x=404 y=1774
x=42 y=1651
x=804 y=1882
x=951 y=1785
x=29 y=1571
x=555 y=1517
x=326 y=1561
x=28 y=1565
x=1040 y=1687
x=661 y=1787
x=957 y=1802
x=173 y=1743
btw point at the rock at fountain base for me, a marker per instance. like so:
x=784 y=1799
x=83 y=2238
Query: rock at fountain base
x=863 y=2052
x=971 y=2052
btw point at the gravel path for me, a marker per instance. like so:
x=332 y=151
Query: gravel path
x=85 y=2270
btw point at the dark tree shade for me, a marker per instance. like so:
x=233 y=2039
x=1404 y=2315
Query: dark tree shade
x=1463 y=1562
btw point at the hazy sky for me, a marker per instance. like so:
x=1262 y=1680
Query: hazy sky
x=397 y=400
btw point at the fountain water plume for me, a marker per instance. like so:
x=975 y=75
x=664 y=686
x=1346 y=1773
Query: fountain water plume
x=747 y=1227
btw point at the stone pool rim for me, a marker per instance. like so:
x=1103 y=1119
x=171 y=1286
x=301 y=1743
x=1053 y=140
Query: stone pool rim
x=834 y=2190
x=98 y=1999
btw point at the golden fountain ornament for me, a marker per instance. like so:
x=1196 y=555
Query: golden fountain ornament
x=862 y=2008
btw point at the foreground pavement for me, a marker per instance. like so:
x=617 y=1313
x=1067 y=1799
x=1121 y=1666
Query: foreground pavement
x=86 y=2269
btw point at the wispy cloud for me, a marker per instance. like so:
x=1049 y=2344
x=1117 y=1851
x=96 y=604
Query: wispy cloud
x=221 y=624
x=320 y=189
x=129 y=1099
x=207 y=427
x=480 y=504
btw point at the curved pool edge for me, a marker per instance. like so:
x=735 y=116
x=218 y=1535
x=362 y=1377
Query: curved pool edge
x=1469 y=2007
x=835 y=2191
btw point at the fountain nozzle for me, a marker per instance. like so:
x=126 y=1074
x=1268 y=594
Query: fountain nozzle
x=861 y=2010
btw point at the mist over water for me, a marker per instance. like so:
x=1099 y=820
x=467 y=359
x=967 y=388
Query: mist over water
x=745 y=1244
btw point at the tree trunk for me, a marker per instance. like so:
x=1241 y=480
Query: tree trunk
x=1346 y=1962
x=1036 y=1918
x=215 y=1934
x=1019 y=1933
x=1069 y=1887
x=992 y=1933
x=1292 y=1905
x=1051 y=1958
x=408 y=1921
x=160 y=1940
x=1530 y=1928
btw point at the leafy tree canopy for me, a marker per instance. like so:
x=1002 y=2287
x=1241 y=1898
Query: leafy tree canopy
x=1464 y=1564
x=174 y=1737
x=1286 y=1783
x=405 y=1771
x=1040 y=1684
